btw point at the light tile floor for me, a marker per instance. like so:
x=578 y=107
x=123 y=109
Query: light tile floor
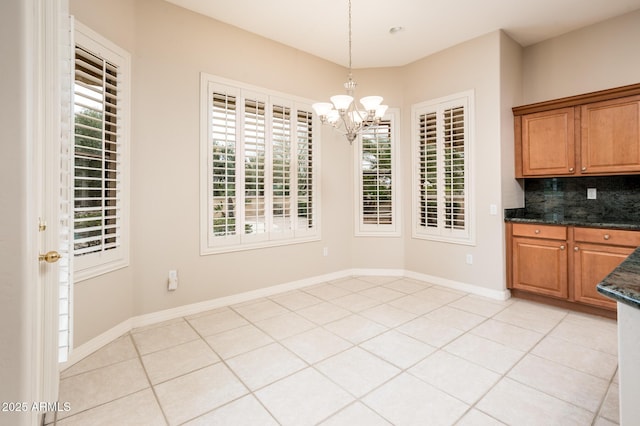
x=359 y=351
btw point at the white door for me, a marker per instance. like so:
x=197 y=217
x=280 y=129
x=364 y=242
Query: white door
x=51 y=149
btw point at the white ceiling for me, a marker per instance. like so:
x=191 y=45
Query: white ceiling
x=320 y=27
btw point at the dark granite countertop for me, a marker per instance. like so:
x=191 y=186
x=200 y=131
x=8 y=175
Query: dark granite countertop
x=623 y=284
x=522 y=215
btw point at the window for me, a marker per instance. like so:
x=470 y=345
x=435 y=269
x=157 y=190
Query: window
x=377 y=189
x=442 y=143
x=100 y=157
x=258 y=159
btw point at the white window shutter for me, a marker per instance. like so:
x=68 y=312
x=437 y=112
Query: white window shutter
x=442 y=142
x=100 y=155
x=376 y=183
x=259 y=172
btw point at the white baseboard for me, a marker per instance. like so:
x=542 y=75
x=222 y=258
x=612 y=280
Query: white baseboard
x=195 y=308
x=87 y=348
x=457 y=285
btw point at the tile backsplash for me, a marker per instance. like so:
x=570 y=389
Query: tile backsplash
x=557 y=199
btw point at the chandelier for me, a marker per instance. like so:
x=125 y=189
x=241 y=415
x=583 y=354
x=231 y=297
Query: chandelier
x=343 y=114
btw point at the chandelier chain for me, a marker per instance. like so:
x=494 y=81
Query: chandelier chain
x=350 y=43
x=343 y=114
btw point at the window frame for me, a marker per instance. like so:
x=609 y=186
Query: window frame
x=94 y=264
x=209 y=243
x=393 y=229
x=441 y=233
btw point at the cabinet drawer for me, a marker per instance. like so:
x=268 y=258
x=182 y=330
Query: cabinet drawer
x=613 y=237
x=540 y=231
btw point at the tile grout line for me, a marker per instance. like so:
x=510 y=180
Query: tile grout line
x=529 y=352
x=146 y=373
x=604 y=399
x=118 y=398
x=223 y=361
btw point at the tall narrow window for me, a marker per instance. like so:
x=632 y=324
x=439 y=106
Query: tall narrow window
x=254 y=167
x=376 y=178
x=258 y=180
x=223 y=161
x=100 y=155
x=305 y=162
x=441 y=153
x=281 y=166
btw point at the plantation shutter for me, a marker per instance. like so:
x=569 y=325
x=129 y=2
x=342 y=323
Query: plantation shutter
x=259 y=169
x=305 y=171
x=428 y=173
x=376 y=188
x=441 y=149
x=254 y=166
x=223 y=133
x=97 y=210
x=281 y=169
x=454 y=168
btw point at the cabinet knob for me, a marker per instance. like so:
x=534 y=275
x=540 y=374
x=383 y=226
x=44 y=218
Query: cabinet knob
x=606 y=236
x=562 y=247
x=571 y=169
x=584 y=169
x=576 y=248
x=537 y=231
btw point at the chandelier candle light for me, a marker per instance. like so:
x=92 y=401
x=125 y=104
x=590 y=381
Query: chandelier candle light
x=343 y=114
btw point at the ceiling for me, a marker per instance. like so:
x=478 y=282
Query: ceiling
x=320 y=27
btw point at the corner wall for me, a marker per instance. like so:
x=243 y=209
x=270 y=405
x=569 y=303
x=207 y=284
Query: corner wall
x=107 y=300
x=474 y=64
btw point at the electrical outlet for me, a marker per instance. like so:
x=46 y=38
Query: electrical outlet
x=469 y=259
x=173 y=280
x=325 y=251
x=591 y=194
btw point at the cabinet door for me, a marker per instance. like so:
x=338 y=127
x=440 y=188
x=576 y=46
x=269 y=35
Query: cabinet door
x=548 y=144
x=540 y=266
x=593 y=262
x=610 y=136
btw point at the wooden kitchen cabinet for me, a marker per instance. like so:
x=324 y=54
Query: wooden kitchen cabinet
x=548 y=143
x=565 y=263
x=587 y=135
x=539 y=259
x=597 y=252
x=593 y=262
x=610 y=136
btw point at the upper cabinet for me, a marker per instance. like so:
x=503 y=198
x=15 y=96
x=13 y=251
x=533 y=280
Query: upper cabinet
x=548 y=143
x=610 y=136
x=593 y=134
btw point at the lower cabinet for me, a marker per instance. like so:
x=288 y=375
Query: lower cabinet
x=540 y=266
x=591 y=263
x=597 y=252
x=565 y=262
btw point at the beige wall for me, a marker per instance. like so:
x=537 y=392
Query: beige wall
x=510 y=95
x=171 y=46
x=166 y=149
x=597 y=57
x=474 y=64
